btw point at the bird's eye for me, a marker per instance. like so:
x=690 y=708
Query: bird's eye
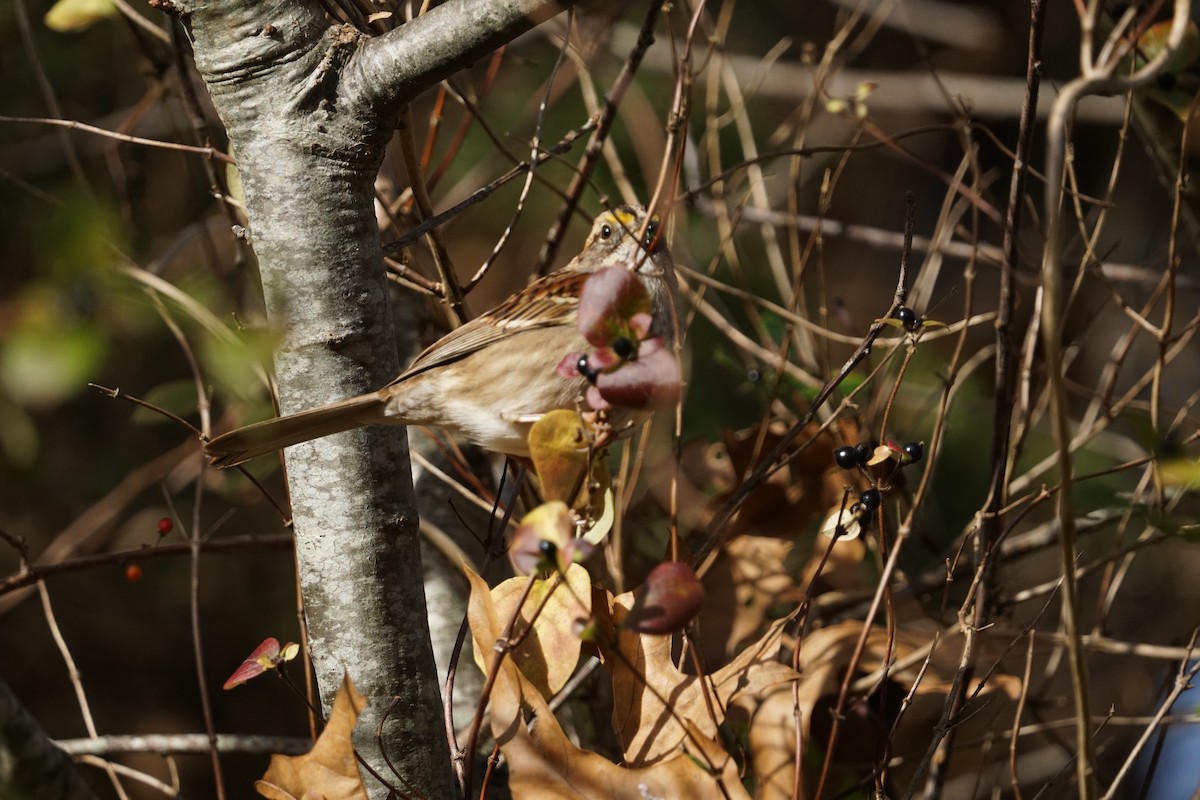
x=606 y=231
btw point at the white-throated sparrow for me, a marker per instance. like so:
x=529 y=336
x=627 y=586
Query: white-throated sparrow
x=492 y=378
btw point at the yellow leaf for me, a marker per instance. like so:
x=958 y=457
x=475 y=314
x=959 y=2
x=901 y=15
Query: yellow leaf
x=1180 y=473
x=559 y=447
x=604 y=511
x=548 y=654
x=68 y=16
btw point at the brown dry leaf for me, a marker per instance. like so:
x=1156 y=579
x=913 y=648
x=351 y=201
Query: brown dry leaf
x=328 y=771
x=842 y=571
x=548 y=654
x=792 y=497
x=824 y=656
x=753 y=573
x=771 y=744
x=545 y=765
x=772 y=739
x=782 y=507
x=652 y=698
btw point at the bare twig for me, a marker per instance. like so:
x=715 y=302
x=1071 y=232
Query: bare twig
x=70 y=124
x=85 y=709
x=612 y=102
x=1188 y=669
x=226 y=544
x=184 y=744
x=1095 y=78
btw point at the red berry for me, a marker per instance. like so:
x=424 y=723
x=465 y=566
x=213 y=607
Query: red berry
x=133 y=573
x=165 y=526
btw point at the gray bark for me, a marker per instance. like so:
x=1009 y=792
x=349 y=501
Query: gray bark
x=309 y=106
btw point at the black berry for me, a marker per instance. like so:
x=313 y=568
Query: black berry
x=585 y=370
x=914 y=451
x=548 y=549
x=624 y=348
x=907 y=317
x=864 y=451
x=870 y=499
x=651 y=234
x=846 y=457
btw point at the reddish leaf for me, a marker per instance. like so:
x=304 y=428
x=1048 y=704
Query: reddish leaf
x=267 y=655
x=670 y=598
x=652 y=381
x=610 y=301
x=569 y=366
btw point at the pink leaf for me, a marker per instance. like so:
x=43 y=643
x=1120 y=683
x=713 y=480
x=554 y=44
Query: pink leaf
x=265 y=657
x=652 y=381
x=610 y=300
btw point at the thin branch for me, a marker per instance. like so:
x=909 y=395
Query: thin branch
x=209 y=152
x=227 y=544
x=85 y=709
x=184 y=744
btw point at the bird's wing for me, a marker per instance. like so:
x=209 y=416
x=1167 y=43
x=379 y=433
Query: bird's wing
x=549 y=301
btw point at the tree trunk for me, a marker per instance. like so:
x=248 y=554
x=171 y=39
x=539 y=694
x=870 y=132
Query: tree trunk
x=309 y=106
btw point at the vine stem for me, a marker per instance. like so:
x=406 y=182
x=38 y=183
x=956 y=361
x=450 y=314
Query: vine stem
x=1094 y=78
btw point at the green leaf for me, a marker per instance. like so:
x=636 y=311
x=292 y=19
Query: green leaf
x=18 y=435
x=1190 y=533
x=43 y=366
x=233 y=181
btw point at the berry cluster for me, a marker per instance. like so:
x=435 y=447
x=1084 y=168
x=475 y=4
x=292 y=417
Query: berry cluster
x=861 y=457
x=852 y=457
x=860 y=454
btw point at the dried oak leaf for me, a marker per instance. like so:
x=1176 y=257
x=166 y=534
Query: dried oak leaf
x=328 y=771
x=545 y=765
x=824 y=656
x=653 y=699
x=548 y=654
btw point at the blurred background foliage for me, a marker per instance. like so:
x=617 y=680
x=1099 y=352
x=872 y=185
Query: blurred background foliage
x=83 y=473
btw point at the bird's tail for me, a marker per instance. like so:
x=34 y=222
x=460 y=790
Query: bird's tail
x=243 y=444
